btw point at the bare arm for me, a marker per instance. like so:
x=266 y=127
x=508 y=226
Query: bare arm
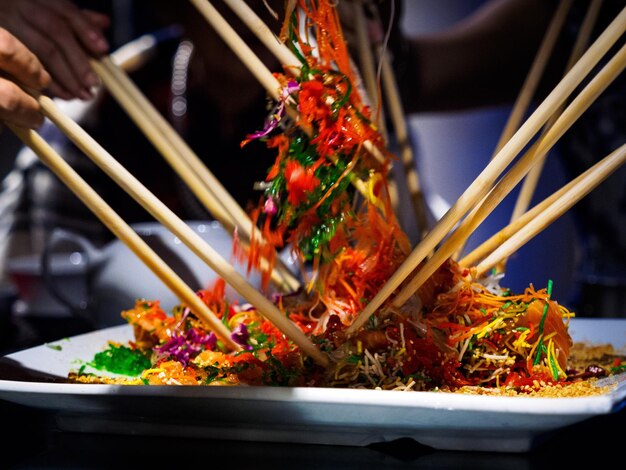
x=479 y=61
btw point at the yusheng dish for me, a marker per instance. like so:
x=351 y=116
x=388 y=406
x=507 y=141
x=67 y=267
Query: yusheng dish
x=326 y=196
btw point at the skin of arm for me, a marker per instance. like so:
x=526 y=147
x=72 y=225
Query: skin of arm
x=480 y=61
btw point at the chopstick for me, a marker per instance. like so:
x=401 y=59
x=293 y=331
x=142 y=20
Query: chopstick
x=368 y=71
x=533 y=222
x=397 y=115
x=398 y=118
x=184 y=161
x=138 y=112
x=122 y=230
x=492 y=243
x=532 y=178
x=368 y=67
x=389 y=85
x=482 y=184
x=265 y=76
x=537 y=152
x=170 y=220
x=267 y=37
x=529 y=87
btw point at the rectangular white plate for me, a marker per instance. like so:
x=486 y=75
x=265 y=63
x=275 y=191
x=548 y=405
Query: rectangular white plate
x=34 y=377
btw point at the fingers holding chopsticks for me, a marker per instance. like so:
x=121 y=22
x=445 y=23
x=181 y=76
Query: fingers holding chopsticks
x=19 y=64
x=63 y=37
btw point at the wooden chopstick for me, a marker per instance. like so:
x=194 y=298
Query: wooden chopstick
x=170 y=220
x=537 y=152
x=183 y=160
x=123 y=231
x=368 y=71
x=482 y=184
x=397 y=115
x=206 y=187
x=489 y=245
x=531 y=180
x=368 y=66
x=529 y=87
x=267 y=37
x=407 y=157
x=267 y=79
x=531 y=82
x=138 y=113
x=541 y=218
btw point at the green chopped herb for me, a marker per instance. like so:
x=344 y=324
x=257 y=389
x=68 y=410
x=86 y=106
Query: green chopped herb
x=121 y=360
x=554 y=369
x=354 y=359
x=212 y=374
x=618 y=369
x=420 y=378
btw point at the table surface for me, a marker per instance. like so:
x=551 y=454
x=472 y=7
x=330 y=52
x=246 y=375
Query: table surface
x=35 y=441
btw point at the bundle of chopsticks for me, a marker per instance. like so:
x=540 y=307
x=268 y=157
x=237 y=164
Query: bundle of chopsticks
x=445 y=239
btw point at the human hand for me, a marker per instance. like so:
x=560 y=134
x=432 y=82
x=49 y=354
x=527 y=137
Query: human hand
x=64 y=38
x=21 y=65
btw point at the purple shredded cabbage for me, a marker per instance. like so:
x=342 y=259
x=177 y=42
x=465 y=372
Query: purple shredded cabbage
x=183 y=347
x=240 y=335
x=270 y=123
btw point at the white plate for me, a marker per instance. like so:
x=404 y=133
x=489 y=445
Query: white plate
x=299 y=415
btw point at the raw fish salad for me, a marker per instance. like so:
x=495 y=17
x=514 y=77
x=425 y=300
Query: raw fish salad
x=326 y=196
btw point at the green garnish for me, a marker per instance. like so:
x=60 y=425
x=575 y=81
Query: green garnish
x=121 y=360
x=541 y=347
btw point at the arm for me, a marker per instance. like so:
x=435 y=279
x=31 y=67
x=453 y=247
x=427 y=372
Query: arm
x=480 y=61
